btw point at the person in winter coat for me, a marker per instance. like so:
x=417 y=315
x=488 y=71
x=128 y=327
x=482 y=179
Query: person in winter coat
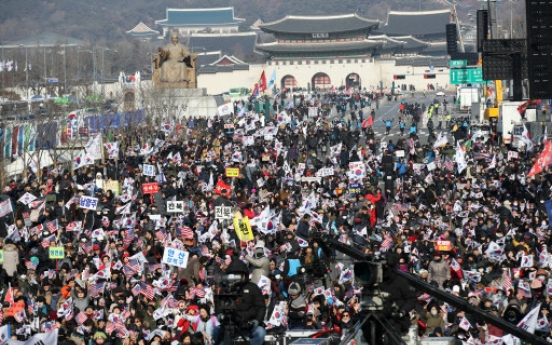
x=438 y=270
x=434 y=318
x=11 y=258
x=297 y=307
x=303 y=228
x=260 y=263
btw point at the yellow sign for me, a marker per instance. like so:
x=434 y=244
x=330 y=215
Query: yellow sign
x=232 y=172
x=243 y=229
x=56 y=253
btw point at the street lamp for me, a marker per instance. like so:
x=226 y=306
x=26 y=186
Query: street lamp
x=64 y=53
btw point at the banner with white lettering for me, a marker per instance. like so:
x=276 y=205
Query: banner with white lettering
x=5 y=207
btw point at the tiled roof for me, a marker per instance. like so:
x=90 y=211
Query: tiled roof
x=416 y=23
x=422 y=61
x=238 y=44
x=224 y=68
x=193 y=17
x=207 y=58
x=320 y=24
x=142 y=28
x=337 y=47
x=411 y=43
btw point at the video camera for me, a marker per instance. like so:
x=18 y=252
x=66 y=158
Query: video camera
x=227 y=293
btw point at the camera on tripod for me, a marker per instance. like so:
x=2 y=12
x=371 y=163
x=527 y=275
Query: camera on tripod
x=227 y=294
x=369 y=274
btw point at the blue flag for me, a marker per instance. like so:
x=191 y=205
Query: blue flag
x=272 y=79
x=548 y=205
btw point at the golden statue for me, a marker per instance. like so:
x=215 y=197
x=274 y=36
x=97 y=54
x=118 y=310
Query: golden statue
x=174 y=66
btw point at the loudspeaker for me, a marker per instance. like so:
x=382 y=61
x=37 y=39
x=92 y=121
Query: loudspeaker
x=482 y=28
x=517 y=82
x=539 y=49
x=452 y=36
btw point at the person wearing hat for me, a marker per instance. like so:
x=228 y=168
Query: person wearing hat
x=260 y=263
x=100 y=338
x=11 y=259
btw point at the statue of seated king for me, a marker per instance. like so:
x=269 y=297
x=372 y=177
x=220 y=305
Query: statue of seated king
x=174 y=66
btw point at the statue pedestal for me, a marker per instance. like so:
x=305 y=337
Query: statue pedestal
x=180 y=85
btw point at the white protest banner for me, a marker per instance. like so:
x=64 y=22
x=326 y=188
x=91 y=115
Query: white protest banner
x=88 y=203
x=313 y=111
x=5 y=207
x=175 y=206
x=223 y=212
x=148 y=170
x=249 y=140
x=225 y=109
x=175 y=257
x=399 y=153
x=431 y=166
x=417 y=167
x=323 y=172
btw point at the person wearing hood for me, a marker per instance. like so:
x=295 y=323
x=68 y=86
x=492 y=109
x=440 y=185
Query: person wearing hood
x=438 y=270
x=11 y=258
x=260 y=263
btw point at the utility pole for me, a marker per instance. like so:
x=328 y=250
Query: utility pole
x=462 y=49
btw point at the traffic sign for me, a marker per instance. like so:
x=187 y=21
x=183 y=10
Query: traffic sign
x=458 y=63
x=467 y=75
x=431 y=68
x=53 y=80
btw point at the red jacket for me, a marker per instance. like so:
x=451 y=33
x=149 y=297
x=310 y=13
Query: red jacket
x=373 y=200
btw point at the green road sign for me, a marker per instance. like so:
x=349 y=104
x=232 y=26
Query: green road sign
x=458 y=63
x=467 y=75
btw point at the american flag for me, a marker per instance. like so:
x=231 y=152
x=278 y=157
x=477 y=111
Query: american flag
x=128 y=272
x=127 y=241
x=134 y=264
x=118 y=327
x=139 y=242
x=52 y=226
x=80 y=318
x=125 y=314
x=87 y=247
x=146 y=290
x=36 y=230
x=74 y=272
x=507 y=282
x=31 y=265
x=96 y=289
x=387 y=242
x=136 y=290
x=186 y=232
x=448 y=164
x=49 y=326
x=161 y=234
x=169 y=302
x=46 y=241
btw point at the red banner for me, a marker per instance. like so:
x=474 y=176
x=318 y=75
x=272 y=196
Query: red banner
x=150 y=188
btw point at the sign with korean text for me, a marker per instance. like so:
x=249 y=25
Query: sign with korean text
x=232 y=172
x=228 y=126
x=243 y=229
x=313 y=111
x=223 y=212
x=56 y=252
x=150 y=188
x=458 y=63
x=88 y=203
x=175 y=206
x=354 y=188
x=467 y=75
x=1 y=256
x=399 y=153
x=443 y=246
x=148 y=170
x=175 y=257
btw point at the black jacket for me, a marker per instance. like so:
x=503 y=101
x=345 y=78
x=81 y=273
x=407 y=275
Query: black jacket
x=251 y=305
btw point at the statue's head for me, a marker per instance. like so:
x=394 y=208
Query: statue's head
x=174 y=37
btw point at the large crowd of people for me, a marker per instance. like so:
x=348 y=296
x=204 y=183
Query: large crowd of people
x=469 y=220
